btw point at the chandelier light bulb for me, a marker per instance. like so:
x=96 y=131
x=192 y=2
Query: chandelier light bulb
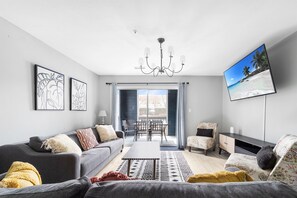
x=147 y=52
x=182 y=59
x=141 y=61
x=170 y=51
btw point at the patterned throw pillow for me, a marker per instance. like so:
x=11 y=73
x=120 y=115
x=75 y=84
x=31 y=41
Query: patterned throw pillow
x=86 y=138
x=106 y=132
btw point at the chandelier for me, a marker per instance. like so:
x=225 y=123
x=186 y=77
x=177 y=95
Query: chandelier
x=169 y=70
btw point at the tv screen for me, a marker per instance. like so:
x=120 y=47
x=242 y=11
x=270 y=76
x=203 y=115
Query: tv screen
x=251 y=76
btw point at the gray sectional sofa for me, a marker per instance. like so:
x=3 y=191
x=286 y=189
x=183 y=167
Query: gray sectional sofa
x=60 y=167
x=82 y=187
x=161 y=189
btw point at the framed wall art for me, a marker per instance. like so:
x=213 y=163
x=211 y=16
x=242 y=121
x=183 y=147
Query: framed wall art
x=49 y=89
x=78 y=95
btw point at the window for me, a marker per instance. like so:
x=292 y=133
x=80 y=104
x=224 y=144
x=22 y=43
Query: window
x=152 y=104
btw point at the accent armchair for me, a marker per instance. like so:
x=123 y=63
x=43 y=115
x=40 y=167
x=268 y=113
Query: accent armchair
x=203 y=142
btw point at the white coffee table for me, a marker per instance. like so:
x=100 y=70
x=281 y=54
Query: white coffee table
x=143 y=151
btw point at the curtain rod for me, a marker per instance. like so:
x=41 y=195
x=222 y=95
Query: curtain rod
x=148 y=83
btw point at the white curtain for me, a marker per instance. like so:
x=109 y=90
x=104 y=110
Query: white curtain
x=180 y=115
x=115 y=117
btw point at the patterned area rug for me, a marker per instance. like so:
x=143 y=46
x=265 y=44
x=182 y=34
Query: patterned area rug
x=173 y=167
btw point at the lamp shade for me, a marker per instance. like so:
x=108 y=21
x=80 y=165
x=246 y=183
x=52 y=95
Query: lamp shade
x=102 y=113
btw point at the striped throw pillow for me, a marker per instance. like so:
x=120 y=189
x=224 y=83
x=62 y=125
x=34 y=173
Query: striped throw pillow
x=86 y=138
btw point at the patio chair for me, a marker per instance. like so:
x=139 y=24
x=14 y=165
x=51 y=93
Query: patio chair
x=157 y=127
x=128 y=127
x=141 y=128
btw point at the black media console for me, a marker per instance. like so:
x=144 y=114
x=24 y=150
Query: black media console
x=242 y=144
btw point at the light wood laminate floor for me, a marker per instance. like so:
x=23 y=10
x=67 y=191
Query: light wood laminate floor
x=198 y=162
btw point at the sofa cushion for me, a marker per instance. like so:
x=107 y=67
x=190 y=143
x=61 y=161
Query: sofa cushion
x=204 y=132
x=62 y=143
x=112 y=145
x=96 y=134
x=92 y=158
x=200 y=142
x=106 y=132
x=249 y=164
x=36 y=144
x=266 y=158
x=158 y=189
x=68 y=189
x=86 y=138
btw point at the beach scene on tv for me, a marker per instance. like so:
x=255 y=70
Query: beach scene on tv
x=250 y=77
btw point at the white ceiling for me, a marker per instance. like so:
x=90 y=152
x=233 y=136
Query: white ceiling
x=99 y=34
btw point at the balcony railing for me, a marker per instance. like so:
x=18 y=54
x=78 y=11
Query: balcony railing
x=163 y=118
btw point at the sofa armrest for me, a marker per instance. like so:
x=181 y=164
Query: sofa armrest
x=285 y=168
x=52 y=167
x=120 y=134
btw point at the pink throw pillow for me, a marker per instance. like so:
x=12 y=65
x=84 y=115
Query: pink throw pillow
x=86 y=138
x=110 y=176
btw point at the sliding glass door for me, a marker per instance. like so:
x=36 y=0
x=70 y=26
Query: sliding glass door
x=152 y=105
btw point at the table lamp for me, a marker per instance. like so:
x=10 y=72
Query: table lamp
x=102 y=114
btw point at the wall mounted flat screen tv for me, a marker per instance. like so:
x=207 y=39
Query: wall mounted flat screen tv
x=251 y=76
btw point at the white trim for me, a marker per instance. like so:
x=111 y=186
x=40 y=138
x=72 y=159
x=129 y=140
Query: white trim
x=264 y=119
x=150 y=86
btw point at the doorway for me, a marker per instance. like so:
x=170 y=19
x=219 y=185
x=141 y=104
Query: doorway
x=150 y=104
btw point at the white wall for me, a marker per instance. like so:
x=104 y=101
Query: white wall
x=207 y=96
x=204 y=96
x=19 y=51
x=247 y=115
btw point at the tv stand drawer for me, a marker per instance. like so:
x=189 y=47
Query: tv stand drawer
x=227 y=143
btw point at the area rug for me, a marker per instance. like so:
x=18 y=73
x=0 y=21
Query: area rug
x=173 y=167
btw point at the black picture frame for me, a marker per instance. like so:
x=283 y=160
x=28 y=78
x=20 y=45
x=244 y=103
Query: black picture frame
x=49 y=89
x=78 y=95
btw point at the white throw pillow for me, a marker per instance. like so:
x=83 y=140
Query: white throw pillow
x=62 y=143
x=106 y=132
